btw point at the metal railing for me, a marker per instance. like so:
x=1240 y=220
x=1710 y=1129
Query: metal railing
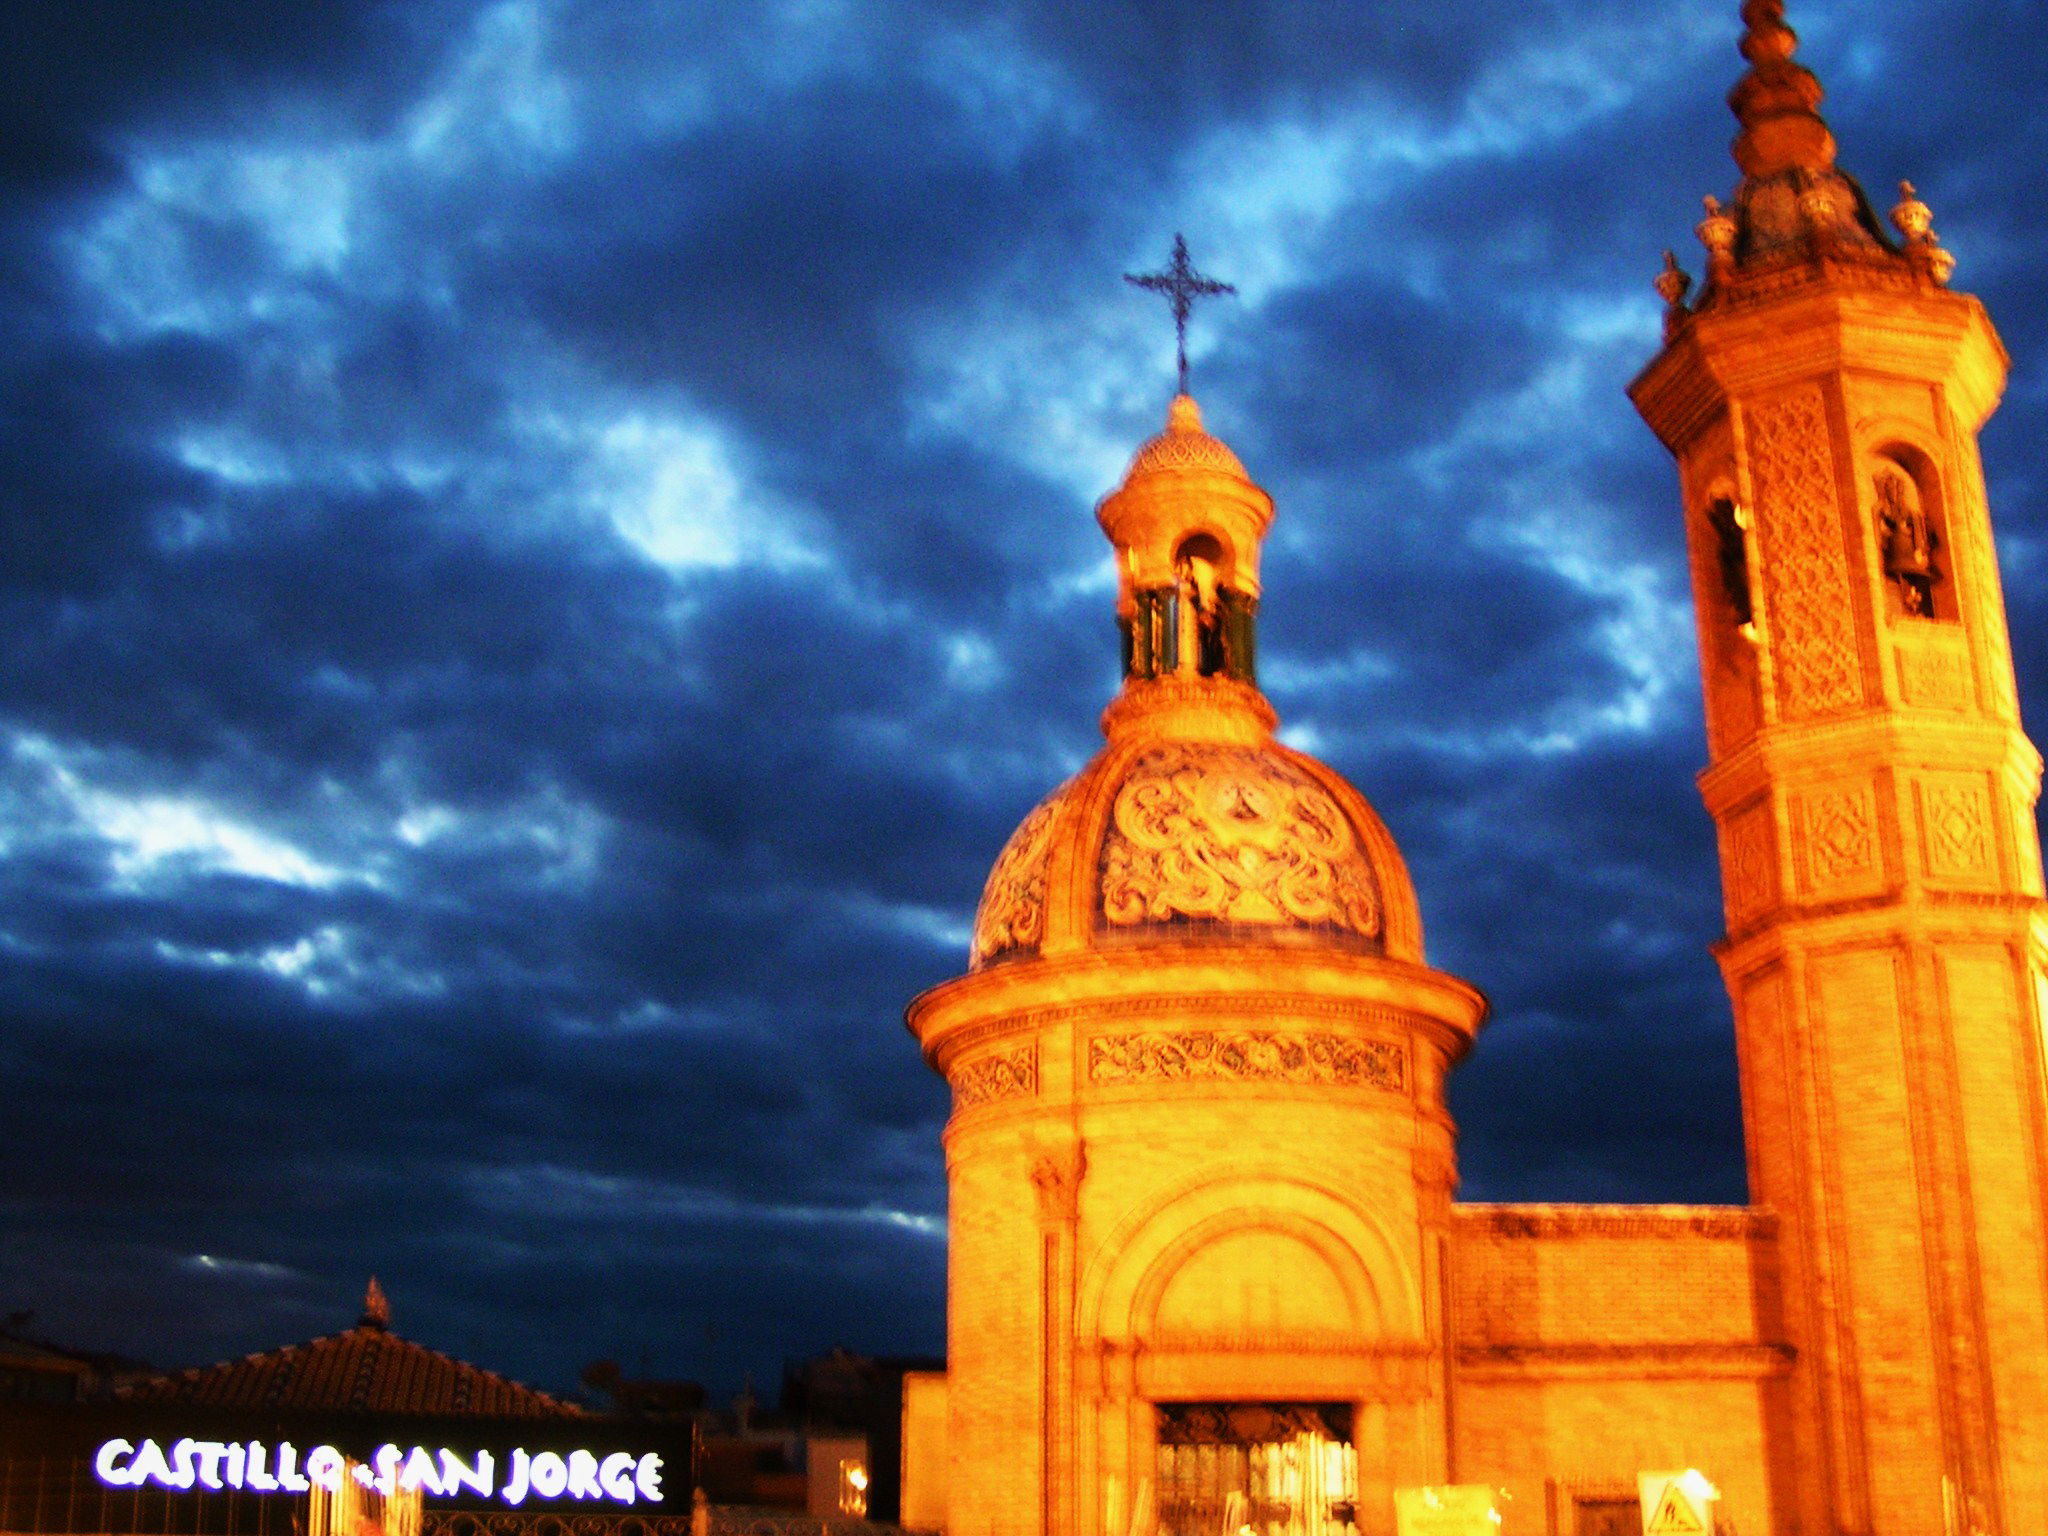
x=58 y=1495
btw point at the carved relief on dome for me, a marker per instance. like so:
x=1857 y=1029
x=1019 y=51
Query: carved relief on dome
x=1187 y=450
x=1012 y=913
x=1232 y=835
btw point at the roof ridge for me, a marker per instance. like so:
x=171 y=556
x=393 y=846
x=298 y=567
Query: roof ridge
x=381 y=1351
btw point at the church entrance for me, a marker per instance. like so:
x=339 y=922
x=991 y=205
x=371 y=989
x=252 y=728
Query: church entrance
x=1274 y=1469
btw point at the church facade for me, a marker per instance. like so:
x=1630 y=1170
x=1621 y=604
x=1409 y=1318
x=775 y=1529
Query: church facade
x=1206 y=1266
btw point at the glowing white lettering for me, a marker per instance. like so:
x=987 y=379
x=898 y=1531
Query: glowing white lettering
x=516 y=1485
x=104 y=1464
x=583 y=1476
x=421 y=1473
x=209 y=1454
x=457 y=1475
x=188 y=1464
x=550 y=1475
x=323 y=1466
x=149 y=1463
x=259 y=1479
x=616 y=1477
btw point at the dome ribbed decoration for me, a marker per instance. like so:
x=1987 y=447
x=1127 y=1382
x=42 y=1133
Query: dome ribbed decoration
x=1185 y=445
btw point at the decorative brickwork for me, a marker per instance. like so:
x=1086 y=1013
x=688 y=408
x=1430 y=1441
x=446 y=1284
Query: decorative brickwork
x=1001 y=1075
x=1812 y=615
x=1248 y=1056
x=1839 y=828
x=1956 y=814
x=1934 y=674
x=1750 y=863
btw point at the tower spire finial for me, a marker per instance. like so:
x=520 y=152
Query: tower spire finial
x=376 y=1309
x=1775 y=101
x=1182 y=285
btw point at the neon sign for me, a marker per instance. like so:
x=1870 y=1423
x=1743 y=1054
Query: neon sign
x=252 y=1466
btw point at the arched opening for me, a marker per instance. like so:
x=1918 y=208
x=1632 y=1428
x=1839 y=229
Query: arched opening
x=1911 y=530
x=1213 y=629
x=1730 y=527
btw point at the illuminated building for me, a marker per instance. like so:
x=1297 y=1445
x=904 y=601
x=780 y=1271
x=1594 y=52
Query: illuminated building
x=239 y=1446
x=1205 y=1260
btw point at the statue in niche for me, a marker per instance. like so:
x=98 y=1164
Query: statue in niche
x=1731 y=552
x=1908 y=543
x=1201 y=606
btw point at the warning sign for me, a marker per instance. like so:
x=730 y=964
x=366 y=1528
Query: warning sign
x=1462 y=1509
x=1675 y=1516
x=1677 y=1503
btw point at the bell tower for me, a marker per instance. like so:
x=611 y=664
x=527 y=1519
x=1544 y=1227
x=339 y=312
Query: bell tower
x=1887 y=946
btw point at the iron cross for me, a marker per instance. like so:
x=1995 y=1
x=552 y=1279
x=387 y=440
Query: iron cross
x=1182 y=285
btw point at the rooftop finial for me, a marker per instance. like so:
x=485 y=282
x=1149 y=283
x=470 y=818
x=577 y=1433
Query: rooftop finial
x=1775 y=100
x=1182 y=285
x=376 y=1307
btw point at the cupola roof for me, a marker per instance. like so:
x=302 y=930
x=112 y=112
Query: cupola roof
x=1194 y=825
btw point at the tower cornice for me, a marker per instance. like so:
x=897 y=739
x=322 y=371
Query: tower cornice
x=1928 y=334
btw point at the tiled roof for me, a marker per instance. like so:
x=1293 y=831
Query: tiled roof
x=365 y=1370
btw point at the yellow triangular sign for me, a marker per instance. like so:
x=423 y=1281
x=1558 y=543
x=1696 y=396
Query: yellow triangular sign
x=1675 y=1515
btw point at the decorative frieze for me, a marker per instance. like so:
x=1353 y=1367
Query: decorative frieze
x=1248 y=1056
x=999 y=1075
x=1682 y=1223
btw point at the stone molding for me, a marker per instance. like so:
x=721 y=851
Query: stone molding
x=1671 y=1222
x=1315 y=1058
x=1379 y=1018
x=1667 y=1359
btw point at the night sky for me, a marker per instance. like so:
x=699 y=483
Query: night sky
x=545 y=545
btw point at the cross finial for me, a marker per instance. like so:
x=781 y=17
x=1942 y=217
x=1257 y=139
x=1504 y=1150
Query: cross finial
x=1182 y=285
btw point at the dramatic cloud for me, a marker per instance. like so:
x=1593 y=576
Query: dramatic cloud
x=548 y=542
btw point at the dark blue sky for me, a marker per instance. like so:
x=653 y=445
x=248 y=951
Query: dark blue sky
x=548 y=542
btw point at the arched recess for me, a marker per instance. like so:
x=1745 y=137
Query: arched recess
x=1892 y=450
x=1341 y=1247
x=1906 y=493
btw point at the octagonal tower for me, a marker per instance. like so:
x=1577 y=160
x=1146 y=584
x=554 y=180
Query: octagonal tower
x=1199 y=1162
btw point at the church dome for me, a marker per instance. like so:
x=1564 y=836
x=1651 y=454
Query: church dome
x=1194 y=825
x=1177 y=839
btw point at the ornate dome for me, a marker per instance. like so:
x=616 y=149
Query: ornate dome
x=1185 y=445
x=1198 y=841
x=1193 y=825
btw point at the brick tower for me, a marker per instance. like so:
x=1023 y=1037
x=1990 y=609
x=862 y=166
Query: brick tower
x=1886 y=945
x=1199 y=1165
